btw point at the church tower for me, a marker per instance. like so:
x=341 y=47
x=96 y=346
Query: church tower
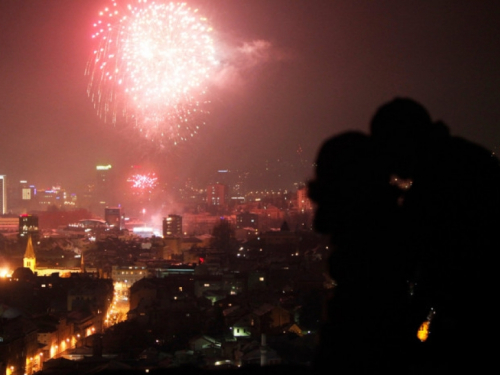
x=29 y=260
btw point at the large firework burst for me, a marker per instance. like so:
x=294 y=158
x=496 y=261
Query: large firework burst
x=150 y=68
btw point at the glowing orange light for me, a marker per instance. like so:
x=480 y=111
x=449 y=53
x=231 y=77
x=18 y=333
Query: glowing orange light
x=423 y=331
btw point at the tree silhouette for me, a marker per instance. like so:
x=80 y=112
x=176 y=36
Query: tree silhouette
x=223 y=236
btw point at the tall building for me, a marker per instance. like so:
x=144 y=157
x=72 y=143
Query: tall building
x=172 y=226
x=3 y=194
x=103 y=186
x=303 y=202
x=28 y=193
x=216 y=195
x=113 y=217
x=28 y=226
x=21 y=196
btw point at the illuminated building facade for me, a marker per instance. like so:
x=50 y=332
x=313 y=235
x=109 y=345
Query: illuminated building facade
x=128 y=275
x=216 y=195
x=172 y=225
x=28 y=224
x=28 y=193
x=303 y=202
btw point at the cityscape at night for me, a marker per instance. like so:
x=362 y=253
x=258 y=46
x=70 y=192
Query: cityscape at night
x=180 y=183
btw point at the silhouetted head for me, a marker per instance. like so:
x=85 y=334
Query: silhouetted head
x=341 y=154
x=348 y=188
x=402 y=118
x=401 y=130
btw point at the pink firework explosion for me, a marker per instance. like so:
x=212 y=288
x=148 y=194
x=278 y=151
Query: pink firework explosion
x=151 y=67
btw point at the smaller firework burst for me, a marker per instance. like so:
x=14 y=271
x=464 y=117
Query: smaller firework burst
x=143 y=182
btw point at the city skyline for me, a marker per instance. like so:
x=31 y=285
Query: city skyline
x=291 y=75
x=147 y=202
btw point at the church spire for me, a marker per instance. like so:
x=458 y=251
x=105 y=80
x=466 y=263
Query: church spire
x=29 y=260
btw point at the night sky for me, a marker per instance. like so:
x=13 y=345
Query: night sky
x=292 y=73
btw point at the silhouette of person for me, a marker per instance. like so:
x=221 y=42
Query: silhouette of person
x=412 y=214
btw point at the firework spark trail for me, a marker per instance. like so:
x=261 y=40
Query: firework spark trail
x=144 y=181
x=151 y=68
